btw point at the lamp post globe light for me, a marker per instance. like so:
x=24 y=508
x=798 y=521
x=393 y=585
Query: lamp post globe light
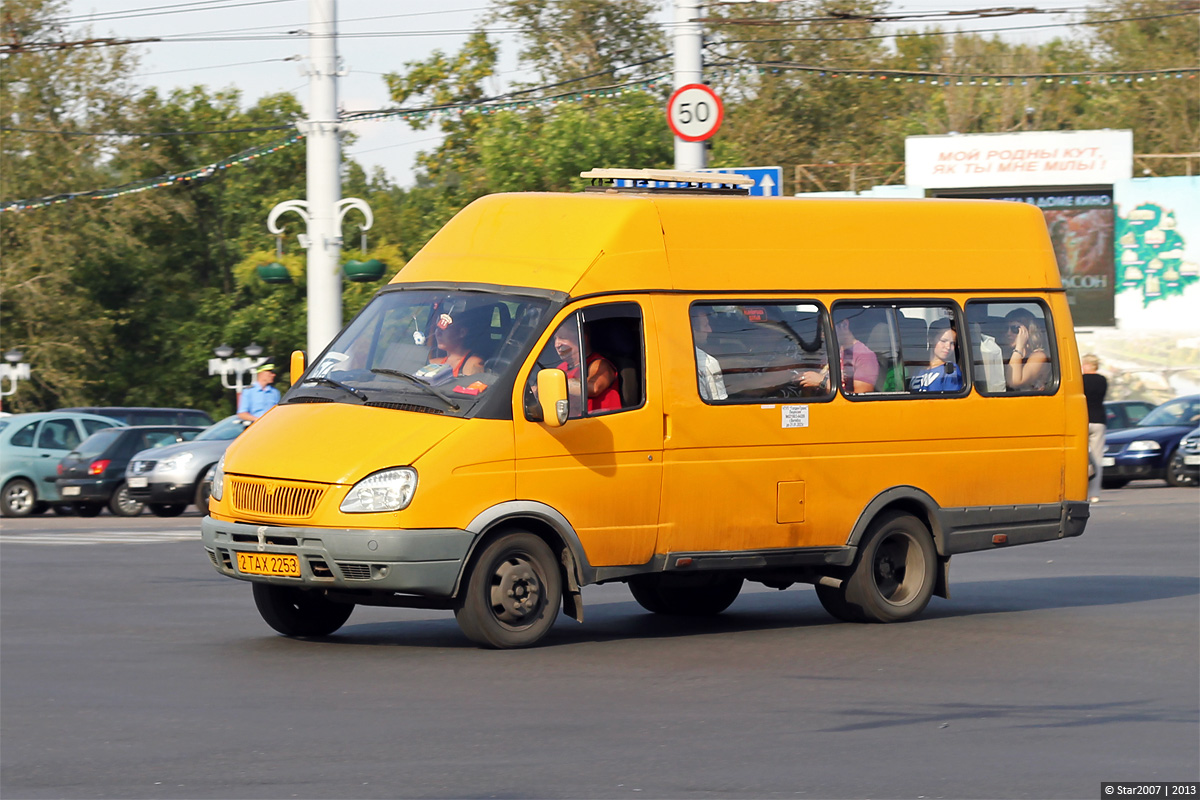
x=235 y=369
x=14 y=370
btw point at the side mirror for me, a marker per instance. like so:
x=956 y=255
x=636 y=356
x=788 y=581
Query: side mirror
x=552 y=396
x=297 y=365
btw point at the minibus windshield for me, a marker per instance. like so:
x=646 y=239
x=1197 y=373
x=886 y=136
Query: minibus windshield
x=425 y=349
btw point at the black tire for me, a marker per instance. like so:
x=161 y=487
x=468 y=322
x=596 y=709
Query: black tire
x=18 y=499
x=513 y=594
x=203 y=490
x=299 y=612
x=1177 y=472
x=40 y=508
x=122 y=505
x=87 y=509
x=895 y=570
x=167 y=509
x=1113 y=483
x=666 y=594
x=834 y=601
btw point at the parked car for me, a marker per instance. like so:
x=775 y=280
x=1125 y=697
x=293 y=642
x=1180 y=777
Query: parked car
x=1184 y=469
x=31 y=445
x=141 y=415
x=169 y=478
x=1146 y=449
x=92 y=475
x=1121 y=414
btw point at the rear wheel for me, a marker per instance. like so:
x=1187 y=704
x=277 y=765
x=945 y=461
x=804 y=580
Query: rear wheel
x=167 y=509
x=87 y=509
x=299 y=612
x=18 y=498
x=1177 y=472
x=513 y=594
x=895 y=572
x=685 y=597
x=123 y=505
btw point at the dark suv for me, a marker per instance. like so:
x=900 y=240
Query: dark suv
x=144 y=415
x=93 y=474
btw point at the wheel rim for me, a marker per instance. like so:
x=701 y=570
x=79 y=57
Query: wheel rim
x=516 y=592
x=128 y=504
x=19 y=498
x=898 y=568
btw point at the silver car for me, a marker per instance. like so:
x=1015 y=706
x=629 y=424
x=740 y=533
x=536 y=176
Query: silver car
x=168 y=478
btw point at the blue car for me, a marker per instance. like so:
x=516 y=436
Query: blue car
x=1147 y=449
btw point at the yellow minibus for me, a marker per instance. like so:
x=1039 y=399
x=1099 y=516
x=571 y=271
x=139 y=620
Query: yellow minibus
x=681 y=389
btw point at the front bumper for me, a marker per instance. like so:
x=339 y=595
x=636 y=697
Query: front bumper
x=423 y=562
x=163 y=493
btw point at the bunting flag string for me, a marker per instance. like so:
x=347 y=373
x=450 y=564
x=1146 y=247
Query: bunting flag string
x=1037 y=79
x=159 y=182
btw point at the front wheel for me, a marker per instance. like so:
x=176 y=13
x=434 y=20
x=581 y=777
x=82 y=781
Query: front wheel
x=685 y=597
x=1178 y=473
x=167 y=509
x=122 y=504
x=894 y=576
x=513 y=593
x=18 y=498
x=203 y=490
x=299 y=612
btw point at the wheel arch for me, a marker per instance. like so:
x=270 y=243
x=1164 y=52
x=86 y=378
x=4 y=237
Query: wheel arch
x=908 y=499
x=542 y=521
x=20 y=476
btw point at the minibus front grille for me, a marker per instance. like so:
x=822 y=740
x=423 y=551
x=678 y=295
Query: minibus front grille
x=275 y=498
x=407 y=407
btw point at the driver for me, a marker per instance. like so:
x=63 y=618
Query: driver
x=451 y=336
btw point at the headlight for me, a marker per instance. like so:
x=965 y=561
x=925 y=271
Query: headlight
x=1144 y=445
x=389 y=490
x=218 y=484
x=175 y=462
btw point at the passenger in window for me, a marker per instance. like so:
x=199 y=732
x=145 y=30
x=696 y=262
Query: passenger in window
x=860 y=367
x=452 y=339
x=943 y=374
x=603 y=388
x=708 y=369
x=1028 y=365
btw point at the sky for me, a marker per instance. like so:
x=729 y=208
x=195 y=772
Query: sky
x=414 y=28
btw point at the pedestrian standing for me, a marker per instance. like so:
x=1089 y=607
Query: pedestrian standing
x=259 y=399
x=1095 y=387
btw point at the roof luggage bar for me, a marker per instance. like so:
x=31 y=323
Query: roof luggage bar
x=642 y=181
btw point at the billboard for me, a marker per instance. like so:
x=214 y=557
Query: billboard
x=1081 y=222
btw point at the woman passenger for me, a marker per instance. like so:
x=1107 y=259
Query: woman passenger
x=943 y=374
x=1028 y=366
x=452 y=339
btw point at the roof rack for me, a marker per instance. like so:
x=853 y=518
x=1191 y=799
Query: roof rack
x=667 y=181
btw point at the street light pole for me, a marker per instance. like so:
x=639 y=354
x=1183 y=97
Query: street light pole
x=323 y=209
x=225 y=366
x=14 y=370
x=689 y=68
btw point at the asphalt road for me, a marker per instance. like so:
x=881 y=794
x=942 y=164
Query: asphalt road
x=129 y=668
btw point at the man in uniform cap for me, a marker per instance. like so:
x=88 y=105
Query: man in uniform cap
x=258 y=399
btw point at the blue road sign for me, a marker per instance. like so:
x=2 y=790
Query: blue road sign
x=768 y=181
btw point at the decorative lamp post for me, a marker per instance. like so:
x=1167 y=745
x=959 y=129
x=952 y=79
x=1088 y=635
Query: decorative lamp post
x=13 y=369
x=236 y=368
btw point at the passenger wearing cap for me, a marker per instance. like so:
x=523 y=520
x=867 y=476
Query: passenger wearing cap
x=258 y=399
x=452 y=340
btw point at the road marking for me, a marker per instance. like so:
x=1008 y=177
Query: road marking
x=100 y=537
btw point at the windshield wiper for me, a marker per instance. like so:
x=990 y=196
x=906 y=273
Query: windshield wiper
x=337 y=385
x=398 y=374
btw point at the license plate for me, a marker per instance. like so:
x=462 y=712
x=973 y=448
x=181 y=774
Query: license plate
x=69 y=491
x=1109 y=462
x=269 y=564
x=138 y=483
x=1191 y=460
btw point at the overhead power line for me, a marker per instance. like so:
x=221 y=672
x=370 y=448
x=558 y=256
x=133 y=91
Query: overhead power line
x=160 y=11
x=138 y=134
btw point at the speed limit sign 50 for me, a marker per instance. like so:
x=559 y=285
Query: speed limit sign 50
x=694 y=112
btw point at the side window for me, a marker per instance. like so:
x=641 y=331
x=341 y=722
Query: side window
x=157 y=439
x=92 y=425
x=1013 y=347
x=24 y=437
x=754 y=351
x=929 y=345
x=601 y=350
x=58 y=434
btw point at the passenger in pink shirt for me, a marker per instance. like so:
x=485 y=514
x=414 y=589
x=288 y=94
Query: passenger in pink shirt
x=860 y=367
